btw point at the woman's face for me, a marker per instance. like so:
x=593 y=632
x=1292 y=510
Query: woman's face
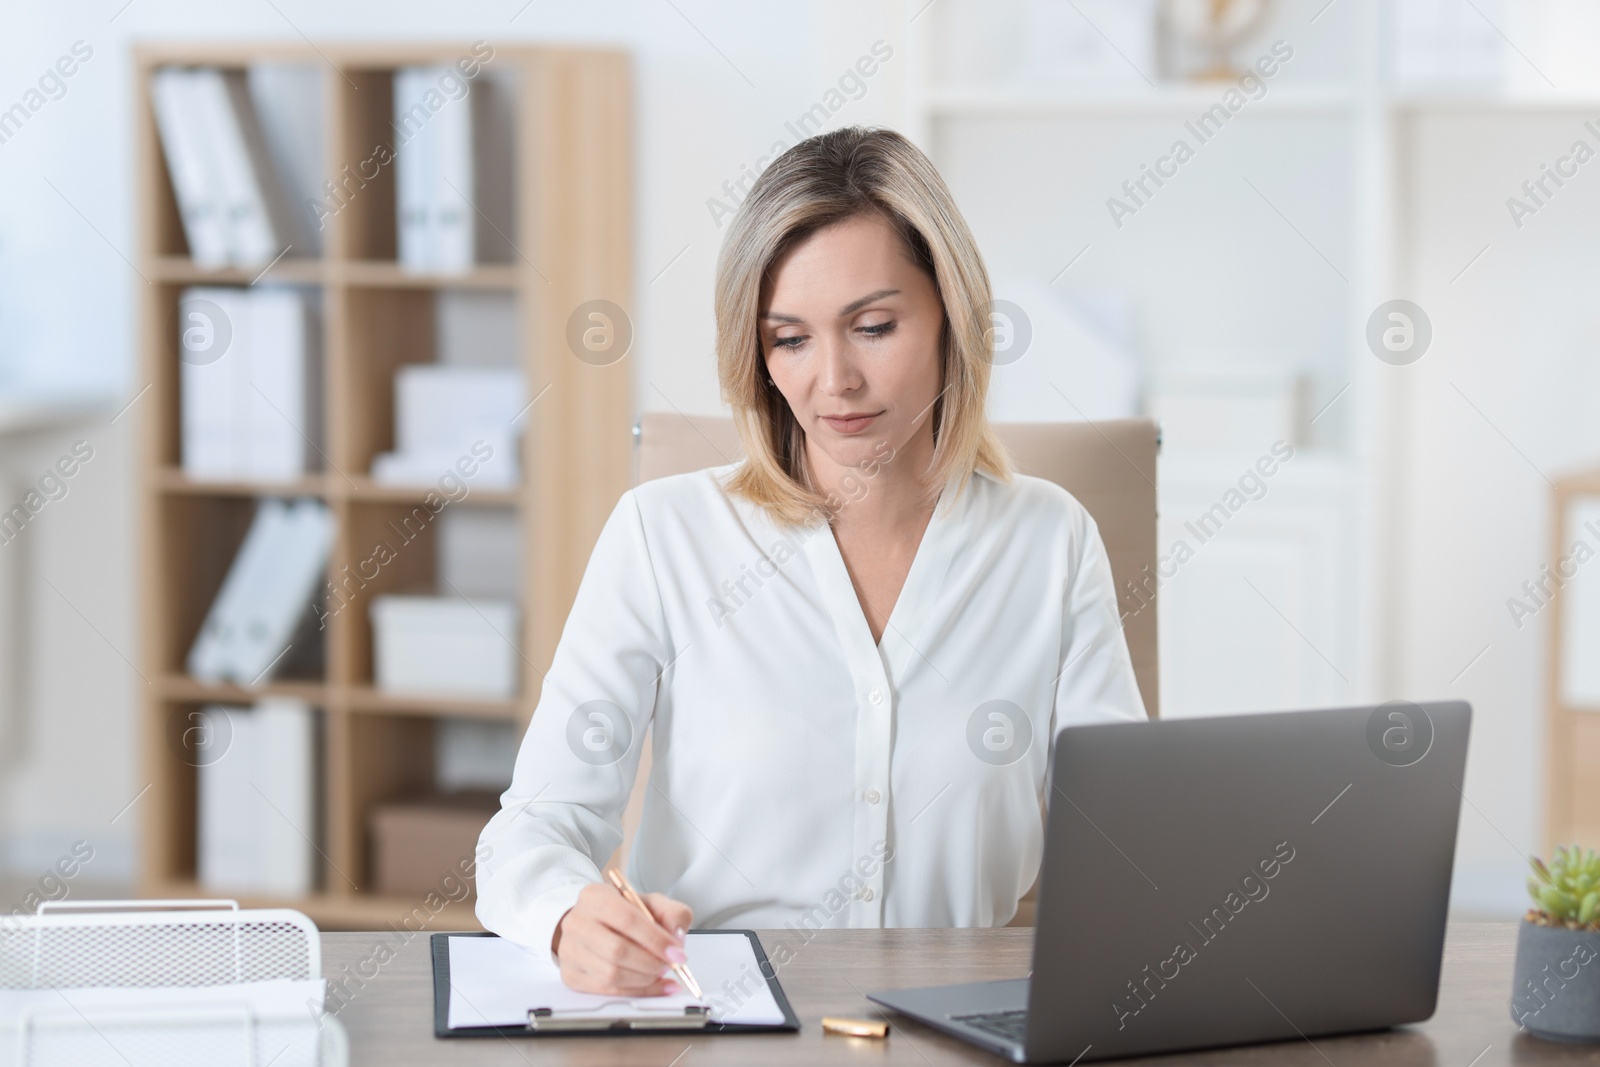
x=850 y=328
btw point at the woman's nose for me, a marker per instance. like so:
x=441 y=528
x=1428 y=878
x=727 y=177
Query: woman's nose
x=837 y=373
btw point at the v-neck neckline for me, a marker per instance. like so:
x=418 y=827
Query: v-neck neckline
x=910 y=613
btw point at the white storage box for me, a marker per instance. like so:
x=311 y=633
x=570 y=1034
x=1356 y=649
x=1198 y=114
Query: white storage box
x=454 y=421
x=437 y=406
x=430 y=644
x=1225 y=409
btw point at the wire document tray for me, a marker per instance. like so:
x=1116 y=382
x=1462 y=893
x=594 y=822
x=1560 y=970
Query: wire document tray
x=165 y=983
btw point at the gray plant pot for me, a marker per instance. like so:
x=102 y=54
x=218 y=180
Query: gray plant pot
x=1555 y=988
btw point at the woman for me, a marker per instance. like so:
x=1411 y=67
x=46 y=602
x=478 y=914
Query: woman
x=853 y=648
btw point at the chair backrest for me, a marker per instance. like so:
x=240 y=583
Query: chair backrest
x=1109 y=466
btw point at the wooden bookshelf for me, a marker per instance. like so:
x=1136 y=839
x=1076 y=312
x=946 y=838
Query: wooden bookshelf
x=570 y=234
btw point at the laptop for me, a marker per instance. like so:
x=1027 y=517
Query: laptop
x=1223 y=881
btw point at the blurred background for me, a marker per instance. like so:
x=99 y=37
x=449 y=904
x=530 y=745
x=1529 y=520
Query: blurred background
x=459 y=249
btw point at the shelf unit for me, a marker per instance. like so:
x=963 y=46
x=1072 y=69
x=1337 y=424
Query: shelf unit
x=1427 y=174
x=571 y=238
x=939 y=107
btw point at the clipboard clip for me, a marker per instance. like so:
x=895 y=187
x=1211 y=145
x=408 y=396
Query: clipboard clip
x=546 y=1020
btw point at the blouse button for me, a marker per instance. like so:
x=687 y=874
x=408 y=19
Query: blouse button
x=866 y=893
x=873 y=796
x=876 y=696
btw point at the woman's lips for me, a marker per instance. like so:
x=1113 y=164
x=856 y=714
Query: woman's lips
x=849 y=424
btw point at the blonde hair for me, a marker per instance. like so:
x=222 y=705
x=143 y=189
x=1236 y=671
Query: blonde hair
x=821 y=181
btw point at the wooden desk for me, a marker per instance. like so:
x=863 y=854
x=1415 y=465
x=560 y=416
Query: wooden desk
x=390 y=1017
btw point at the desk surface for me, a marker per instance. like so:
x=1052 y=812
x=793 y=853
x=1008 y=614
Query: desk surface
x=389 y=1016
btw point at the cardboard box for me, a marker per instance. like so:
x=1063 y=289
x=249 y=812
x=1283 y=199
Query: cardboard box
x=422 y=845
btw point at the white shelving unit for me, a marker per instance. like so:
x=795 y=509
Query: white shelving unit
x=1383 y=555
x=1307 y=554
x=1345 y=637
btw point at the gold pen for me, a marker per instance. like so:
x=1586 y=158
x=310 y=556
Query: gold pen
x=680 y=969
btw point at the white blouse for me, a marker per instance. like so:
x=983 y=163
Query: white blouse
x=803 y=775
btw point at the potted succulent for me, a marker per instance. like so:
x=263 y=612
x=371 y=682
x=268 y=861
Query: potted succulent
x=1555 y=991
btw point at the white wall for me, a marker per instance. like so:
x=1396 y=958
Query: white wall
x=68 y=768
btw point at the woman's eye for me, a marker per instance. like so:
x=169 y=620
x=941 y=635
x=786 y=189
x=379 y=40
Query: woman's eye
x=878 y=329
x=787 y=342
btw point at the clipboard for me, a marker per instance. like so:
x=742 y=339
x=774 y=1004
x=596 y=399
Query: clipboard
x=544 y=1023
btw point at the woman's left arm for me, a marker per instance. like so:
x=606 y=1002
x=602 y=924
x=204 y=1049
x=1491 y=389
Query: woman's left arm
x=1096 y=681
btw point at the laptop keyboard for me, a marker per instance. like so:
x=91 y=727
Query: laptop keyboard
x=1011 y=1025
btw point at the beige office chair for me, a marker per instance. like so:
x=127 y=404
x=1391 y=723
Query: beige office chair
x=1109 y=466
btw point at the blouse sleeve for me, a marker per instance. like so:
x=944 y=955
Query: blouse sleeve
x=562 y=817
x=1096 y=683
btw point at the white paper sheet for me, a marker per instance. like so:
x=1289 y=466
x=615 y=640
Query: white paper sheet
x=494 y=982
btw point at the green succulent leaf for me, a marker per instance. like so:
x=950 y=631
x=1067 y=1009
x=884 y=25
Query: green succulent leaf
x=1567 y=889
x=1560 y=905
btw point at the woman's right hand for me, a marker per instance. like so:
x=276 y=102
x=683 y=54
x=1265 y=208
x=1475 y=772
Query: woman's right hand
x=604 y=945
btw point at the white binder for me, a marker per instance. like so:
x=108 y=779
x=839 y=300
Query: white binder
x=434 y=174
x=224 y=103
x=194 y=180
x=257 y=799
x=413 y=173
x=268 y=591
